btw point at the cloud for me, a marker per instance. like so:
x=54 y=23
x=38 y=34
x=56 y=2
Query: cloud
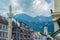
x=52 y=5
x=39 y=8
x=4 y=4
x=14 y=3
x=33 y=7
x=18 y=12
x=29 y=7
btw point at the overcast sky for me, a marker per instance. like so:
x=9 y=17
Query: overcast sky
x=30 y=7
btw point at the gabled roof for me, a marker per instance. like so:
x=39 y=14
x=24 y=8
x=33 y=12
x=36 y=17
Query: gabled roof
x=3 y=20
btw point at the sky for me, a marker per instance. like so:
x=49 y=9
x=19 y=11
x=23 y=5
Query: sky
x=30 y=7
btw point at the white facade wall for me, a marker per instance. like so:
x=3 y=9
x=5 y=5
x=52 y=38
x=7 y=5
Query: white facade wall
x=3 y=32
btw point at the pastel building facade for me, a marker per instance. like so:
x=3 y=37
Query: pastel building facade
x=39 y=36
x=21 y=31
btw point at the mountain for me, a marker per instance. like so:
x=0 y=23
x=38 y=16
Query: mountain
x=43 y=18
x=37 y=23
x=23 y=16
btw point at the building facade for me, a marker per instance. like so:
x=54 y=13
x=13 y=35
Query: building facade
x=56 y=35
x=3 y=29
x=36 y=36
x=39 y=36
x=56 y=19
x=56 y=14
x=22 y=32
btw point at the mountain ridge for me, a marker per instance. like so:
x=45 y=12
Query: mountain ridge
x=35 y=22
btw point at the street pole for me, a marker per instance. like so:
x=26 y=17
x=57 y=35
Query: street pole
x=10 y=15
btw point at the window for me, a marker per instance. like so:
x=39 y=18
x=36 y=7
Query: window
x=0 y=34
x=6 y=27
x=22 y=25
x=0 y=27
x=2 y=39
x=5 y=34
x=25 y=36
x=21 y=30
x=26 y=26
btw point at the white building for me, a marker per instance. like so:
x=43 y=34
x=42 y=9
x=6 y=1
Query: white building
x=3 y=29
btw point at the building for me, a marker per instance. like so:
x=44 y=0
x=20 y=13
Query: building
x=56 y=18
x=39 y=36
x=56 y=35
x=21 y=31
x=3 y=28
x=36 y=36
x=56 y=14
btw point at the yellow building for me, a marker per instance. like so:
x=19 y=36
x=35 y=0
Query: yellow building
x=56 y=14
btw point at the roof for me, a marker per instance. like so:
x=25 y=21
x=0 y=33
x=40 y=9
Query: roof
x=3 y=20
